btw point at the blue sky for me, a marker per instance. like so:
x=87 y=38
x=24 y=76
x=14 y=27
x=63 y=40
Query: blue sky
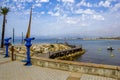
x=63 y=18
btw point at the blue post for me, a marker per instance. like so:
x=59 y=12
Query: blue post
x=7 y=45
x=28 y=45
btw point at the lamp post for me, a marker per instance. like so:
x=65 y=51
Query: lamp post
x=7 y=45
x=28 y=45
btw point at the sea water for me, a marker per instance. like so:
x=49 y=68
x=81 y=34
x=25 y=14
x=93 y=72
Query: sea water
x=96 y=50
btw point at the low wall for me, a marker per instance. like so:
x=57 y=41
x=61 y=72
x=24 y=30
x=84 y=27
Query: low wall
x=88 y=68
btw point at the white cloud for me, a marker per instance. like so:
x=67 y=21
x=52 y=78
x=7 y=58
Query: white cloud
x=15 y=0
x=37 y=5
x=38 y=1
x=76 y=20
x=83 y=3
x=72 y=1
x=29 y=0
x=54 y=14
x=89 y=5
x=71 y=20
x=87 y=11
x=22 y=0
x=42 y=12
x=50 y=12
x=105 y=4
x=116 y=7
x=79 y=11
x=98 y=17
x=112 y=0
x=44 y=0
x=26 y=12
x=20 y=6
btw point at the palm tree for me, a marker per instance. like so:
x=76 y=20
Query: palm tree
x=3 y=11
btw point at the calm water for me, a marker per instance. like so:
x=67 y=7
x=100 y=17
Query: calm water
x=95 y=50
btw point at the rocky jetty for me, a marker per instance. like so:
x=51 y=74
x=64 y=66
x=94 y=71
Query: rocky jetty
x=72 y=56
x=39 y=48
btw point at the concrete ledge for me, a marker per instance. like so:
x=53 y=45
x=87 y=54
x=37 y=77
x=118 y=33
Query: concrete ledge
x=88 y=68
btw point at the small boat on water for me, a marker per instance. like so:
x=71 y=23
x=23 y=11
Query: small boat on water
x=109 y=48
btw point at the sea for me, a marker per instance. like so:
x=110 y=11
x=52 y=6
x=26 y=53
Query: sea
x=96 y=50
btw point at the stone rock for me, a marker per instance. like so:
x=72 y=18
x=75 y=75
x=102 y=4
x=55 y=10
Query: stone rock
x=22 y=52
x=37 y=50
x=46 y=50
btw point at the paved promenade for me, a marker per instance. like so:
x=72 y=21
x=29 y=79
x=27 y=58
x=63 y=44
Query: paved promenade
x=15 y=70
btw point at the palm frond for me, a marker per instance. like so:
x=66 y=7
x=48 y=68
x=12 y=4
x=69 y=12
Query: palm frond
x=4 y=10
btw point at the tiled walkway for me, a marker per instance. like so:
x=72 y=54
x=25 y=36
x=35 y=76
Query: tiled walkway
x=93 y=77
x=2 y=59
x=15 y=70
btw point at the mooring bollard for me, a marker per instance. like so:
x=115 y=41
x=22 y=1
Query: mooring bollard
x=7 y=43
x=28 y=45
x=12 y=55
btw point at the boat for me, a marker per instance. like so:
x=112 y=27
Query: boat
x=109 y=48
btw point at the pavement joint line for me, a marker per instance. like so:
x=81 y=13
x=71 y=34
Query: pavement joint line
x=4 y=62
x=21 y=72
x=94 y=77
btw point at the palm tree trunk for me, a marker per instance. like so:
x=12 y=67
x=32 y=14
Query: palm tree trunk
x=3 y=31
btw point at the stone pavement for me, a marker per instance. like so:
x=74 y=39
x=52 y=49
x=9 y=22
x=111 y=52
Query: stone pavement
x=93 y=77
x=15 y=70
x=2 y=59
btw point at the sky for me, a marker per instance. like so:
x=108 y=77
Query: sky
x=63 y=18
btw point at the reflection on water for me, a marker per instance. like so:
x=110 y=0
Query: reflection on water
x=111 y=53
